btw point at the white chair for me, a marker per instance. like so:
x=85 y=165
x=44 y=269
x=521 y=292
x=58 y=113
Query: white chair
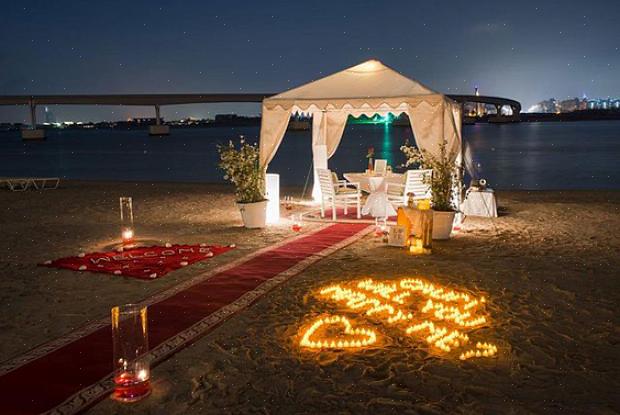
x=416 y=182
x=340 y=184
x=381 y=167
x=333 y=192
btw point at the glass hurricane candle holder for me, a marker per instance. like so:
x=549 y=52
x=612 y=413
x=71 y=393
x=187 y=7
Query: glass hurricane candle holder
x=380 y=226
x=297 y=224
x=288 y=202
x=127 y=233
x=416 y=245
x=130 y=343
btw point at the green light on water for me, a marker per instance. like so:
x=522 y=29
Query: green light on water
x=375 y=119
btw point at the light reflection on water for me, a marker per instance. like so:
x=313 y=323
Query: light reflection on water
x=575 y=155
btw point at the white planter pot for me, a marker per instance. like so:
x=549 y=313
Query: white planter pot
x=254 y=215
x=442 y=224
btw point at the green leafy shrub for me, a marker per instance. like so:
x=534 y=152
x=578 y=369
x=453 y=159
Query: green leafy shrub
x=241 y=168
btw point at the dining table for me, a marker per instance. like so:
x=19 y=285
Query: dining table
x=365 y=182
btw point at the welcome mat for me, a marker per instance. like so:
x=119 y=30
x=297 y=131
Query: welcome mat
x=141 y=262
x=68 y=374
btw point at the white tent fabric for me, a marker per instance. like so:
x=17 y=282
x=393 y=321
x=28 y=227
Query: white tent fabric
x=366 y=89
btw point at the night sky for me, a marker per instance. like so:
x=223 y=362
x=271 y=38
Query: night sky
x=526 y=50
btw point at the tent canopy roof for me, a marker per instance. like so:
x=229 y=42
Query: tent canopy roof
x=368 y=88
x=370 y=84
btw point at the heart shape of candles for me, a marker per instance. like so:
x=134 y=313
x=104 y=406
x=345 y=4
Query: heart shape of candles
x=353 y=337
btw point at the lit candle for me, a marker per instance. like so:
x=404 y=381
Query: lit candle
x=416 y=246
x=296 y=226
x=127 y=233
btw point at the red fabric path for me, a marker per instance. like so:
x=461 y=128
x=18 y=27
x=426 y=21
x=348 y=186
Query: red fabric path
x=46 y=382
x=146 y=263
x=351 y=214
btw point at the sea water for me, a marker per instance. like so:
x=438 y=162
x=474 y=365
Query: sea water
x=552 y=155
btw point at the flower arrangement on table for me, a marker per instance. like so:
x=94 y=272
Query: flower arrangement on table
x=370 y=154
x=241 y=168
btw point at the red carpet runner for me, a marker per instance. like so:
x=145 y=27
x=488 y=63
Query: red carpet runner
x=73 y=372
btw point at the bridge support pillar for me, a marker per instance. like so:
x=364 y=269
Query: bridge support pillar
x=158 y=128
x=498 y=109
x=33 y=133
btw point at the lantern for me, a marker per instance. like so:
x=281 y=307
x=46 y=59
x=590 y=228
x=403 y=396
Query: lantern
x=416 y=245
x=426 y=225
x=130 y=344
x=424 y=204
x=297 y=223
x=127 y=233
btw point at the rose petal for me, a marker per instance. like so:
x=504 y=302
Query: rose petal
x=117 y=272
x=81 y=255
x=82 y=267
x=168 y=245
x=153 y=275
x=183 y=263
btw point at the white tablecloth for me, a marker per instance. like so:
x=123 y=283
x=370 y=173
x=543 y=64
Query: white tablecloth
x=480 y=203
x=377 y=204
x=364 y=179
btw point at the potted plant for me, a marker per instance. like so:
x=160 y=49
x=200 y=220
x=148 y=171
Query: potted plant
x=241 y=168
x=445 y=172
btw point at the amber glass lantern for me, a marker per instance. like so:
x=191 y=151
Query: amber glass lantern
x=426 y=222
x=127 y=232
x=130 y=343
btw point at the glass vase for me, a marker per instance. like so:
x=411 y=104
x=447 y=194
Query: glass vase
x=130 y=343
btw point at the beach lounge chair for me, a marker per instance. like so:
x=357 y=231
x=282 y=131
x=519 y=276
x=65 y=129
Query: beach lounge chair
x=335 y=192
x=45 y=183
x=15 y=184
x=381 y=167
x=416 y=182
x=20 y=184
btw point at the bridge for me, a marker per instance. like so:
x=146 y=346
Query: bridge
x=159 y=100
x=495 y=101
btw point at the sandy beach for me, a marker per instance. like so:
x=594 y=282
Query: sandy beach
x=548 y=266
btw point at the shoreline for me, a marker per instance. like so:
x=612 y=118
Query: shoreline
x=547 y=266
x=224 y=186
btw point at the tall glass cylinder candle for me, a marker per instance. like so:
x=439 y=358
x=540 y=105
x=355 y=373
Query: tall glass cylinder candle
x=130 y=343
x=296 y=223
x=127 y=232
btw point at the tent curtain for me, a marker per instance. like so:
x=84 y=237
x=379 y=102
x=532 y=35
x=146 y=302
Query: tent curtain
x=327 y=129
x=426 y=123
x=273 y=126
x=336 y=122
x=431 y=124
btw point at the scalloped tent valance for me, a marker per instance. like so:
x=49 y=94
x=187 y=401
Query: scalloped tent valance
x=365 y=89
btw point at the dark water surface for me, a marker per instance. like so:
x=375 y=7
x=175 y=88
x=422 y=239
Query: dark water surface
x=570 y=155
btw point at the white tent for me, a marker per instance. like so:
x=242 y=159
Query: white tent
x=366 y=89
